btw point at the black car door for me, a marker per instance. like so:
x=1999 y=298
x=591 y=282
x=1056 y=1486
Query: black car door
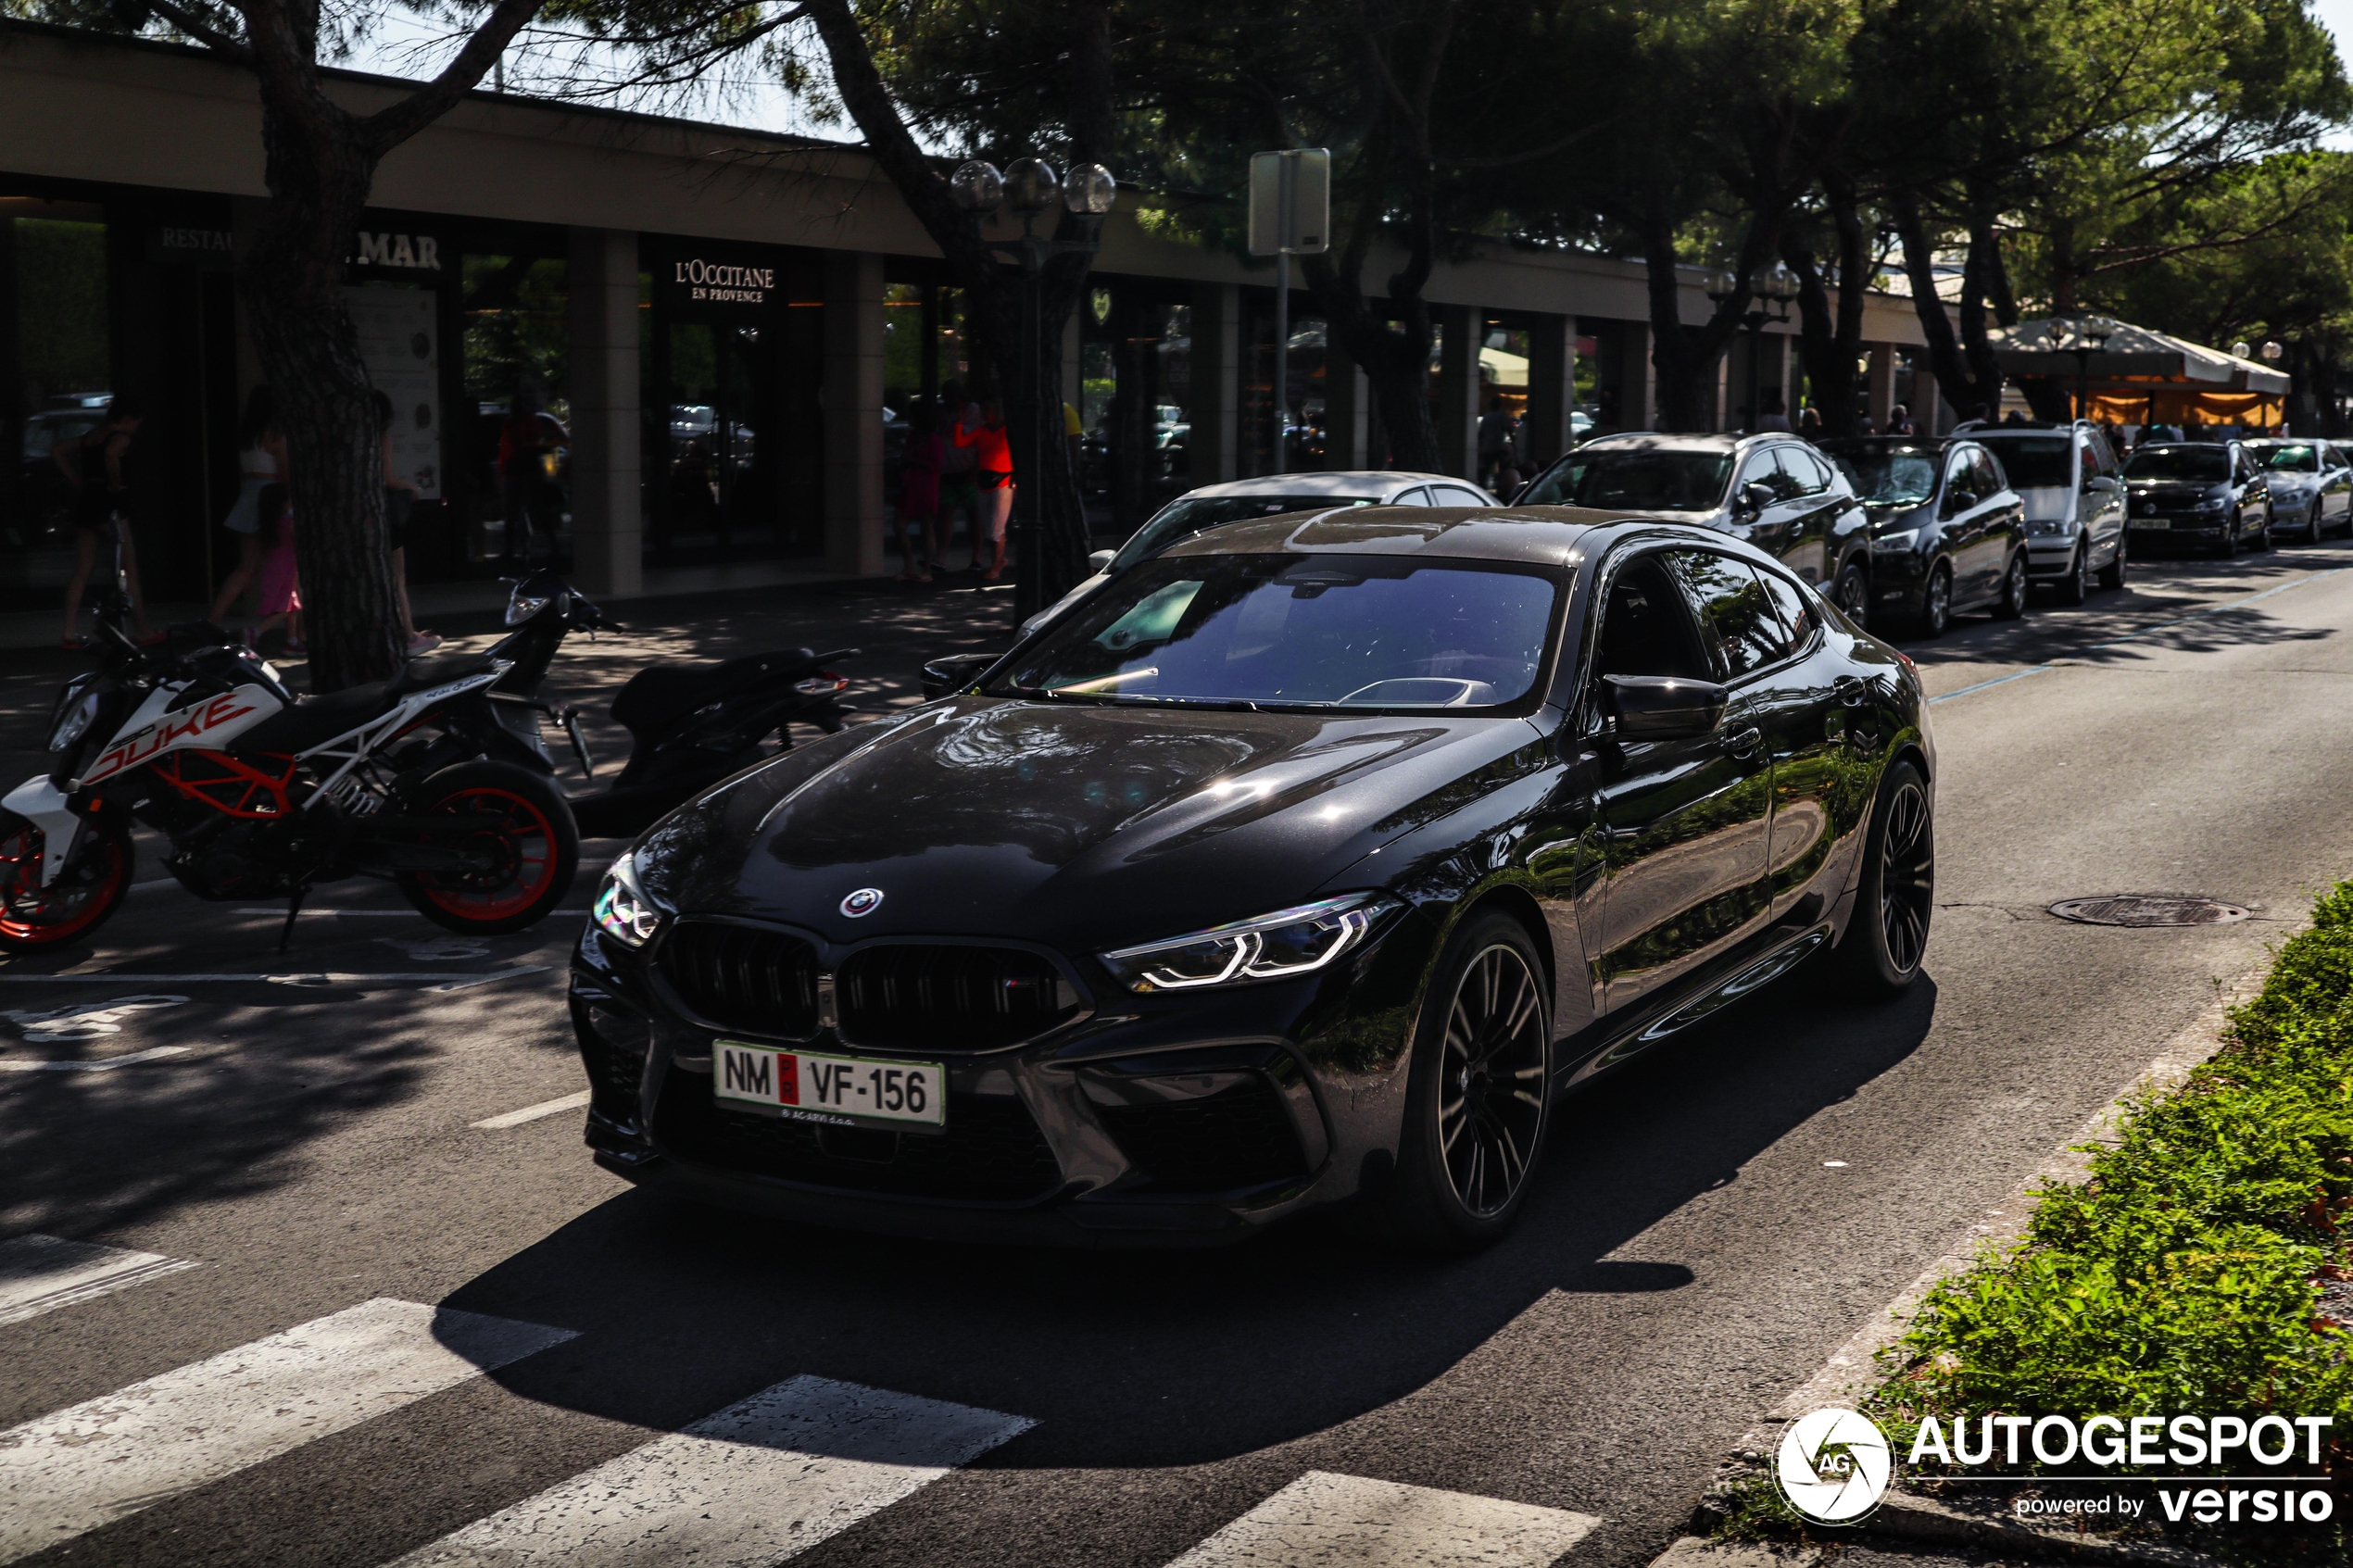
x=1806 y=550
x=1962 y=516
x=1686 y=820
x=1804 y=702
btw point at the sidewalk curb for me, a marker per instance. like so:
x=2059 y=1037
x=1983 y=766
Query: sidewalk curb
x=1906 y=1517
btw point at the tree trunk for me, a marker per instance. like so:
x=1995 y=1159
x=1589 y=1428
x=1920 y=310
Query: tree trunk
x=1975 y=394
x=1830 y=336
x=1394 y=356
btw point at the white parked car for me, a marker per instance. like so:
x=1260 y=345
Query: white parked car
x=1239 y=500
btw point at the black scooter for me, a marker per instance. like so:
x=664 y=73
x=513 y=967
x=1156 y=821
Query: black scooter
x=690 y=725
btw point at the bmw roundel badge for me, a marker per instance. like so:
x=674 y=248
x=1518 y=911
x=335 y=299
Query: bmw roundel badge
x=865 y=901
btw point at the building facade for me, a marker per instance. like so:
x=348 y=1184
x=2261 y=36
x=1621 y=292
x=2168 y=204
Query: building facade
x=656 y=341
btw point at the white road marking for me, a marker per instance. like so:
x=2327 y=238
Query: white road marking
x=89 y=1464
x=1348 y=1521
x=102 y=1064
x=757 y=1483
x=85 y=1020
x=334 y=978
x=41 y=1273
x=534 y=1112
x=486 y=979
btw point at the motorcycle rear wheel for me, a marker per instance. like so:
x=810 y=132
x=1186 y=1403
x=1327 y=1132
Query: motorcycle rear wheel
x=538 y=843
x=88 y=889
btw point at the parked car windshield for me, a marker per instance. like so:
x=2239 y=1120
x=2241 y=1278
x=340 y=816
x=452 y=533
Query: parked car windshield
x=1640 y=478
x=2034 y=462
x=1901 y=478
x=1292 y=630
x=2299 y=459
x=1190 y=514
x=2211 y=464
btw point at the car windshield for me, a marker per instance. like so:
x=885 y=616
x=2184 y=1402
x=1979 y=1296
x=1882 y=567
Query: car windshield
x=1902 y=479
x=1635 y=477
x=1319 y=631
x=2299 y=459
x=1190 y=514
x=2211 y=464
x=2034 y=462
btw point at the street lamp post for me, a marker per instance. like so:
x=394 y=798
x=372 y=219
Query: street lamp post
x=1030 y=187
x=1773 y=288
x=2083 y=336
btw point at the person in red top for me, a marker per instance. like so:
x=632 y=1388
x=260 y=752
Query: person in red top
x=995 y=474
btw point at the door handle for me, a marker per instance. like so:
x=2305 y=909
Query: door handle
x=1743 y=744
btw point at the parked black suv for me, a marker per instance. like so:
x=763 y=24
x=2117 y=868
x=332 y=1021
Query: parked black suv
x=2210 y=492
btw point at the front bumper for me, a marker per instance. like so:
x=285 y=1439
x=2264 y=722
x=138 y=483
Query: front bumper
x=1176 y=1120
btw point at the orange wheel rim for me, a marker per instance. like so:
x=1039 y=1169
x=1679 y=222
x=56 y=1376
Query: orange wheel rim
x=32 y=914
x=523 y=825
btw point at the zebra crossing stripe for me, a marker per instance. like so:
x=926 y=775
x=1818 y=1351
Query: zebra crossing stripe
x=765 y=1478
x=40 y=1273
x=1327 y=1520
x=90 y=1463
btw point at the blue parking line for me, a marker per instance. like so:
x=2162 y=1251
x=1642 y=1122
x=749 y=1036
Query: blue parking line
x=2130 y=636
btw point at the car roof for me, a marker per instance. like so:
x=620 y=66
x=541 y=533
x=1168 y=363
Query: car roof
x=1341 y=484
x=1651 y=441
x=1533 y=536
x=1890 y=443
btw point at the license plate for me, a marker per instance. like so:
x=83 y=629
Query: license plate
x=2153 y=522
x=843 y=1090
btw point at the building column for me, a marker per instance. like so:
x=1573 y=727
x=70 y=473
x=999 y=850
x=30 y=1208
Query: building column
x=1882 y=383
x=1637 y=378
x=608 y=509
x=1347 y=397
x=1217 y=383
x=1458 y=390
x=1552 y=388
x=851 y=402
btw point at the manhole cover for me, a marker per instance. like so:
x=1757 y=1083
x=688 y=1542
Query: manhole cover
x=2148 y=909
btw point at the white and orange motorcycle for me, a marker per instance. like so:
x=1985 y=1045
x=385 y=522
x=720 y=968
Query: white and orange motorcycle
x=263 y=795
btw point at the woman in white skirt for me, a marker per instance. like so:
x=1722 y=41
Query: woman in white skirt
x=261 y=461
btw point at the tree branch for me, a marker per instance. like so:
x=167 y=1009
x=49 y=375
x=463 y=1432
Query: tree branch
x=389 y=128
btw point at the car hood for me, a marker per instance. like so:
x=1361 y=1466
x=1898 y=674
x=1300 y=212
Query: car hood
x=1893 y=517
x=1083 y=827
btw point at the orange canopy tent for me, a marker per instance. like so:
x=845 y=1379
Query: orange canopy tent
x=2142 y=376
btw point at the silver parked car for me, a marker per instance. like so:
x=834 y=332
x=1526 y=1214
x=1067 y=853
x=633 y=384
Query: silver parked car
x=2311 y=486
x=1237 y=500
x=2075 y=523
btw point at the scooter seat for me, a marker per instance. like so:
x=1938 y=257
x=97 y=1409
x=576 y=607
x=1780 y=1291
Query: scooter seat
x=418 y=674
x=658 y=699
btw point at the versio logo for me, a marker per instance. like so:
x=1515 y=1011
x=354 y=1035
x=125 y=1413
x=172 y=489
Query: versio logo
x=1834 y=1465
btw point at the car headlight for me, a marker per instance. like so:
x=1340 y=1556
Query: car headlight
x=1900 y=541
x=2051 y=525
x=621 y=910
x=74 y=720
x=522 y=607
x=2214 y=507
x=1277 y=947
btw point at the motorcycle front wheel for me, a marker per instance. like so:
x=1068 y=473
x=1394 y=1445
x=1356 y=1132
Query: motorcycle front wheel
x=533 y=848
x=89 y=889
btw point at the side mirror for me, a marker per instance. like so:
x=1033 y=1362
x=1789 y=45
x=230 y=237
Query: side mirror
x=955 y=673
x=1960 y=501
x=1665 y=707
x=1755 y=496
x=1100 y=560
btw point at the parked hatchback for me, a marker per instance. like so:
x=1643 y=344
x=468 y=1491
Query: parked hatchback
x=1948 y=532
x=2066 y=477
x=1775 y=492
x=2209 y=493
x=2311 y=486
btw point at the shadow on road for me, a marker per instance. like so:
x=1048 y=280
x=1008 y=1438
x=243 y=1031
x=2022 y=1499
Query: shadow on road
x=1159 y=1360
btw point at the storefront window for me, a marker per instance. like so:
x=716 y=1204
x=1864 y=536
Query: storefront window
x=1134 y=403
x=518 y=448
x=58 y=358
x=1304 y=422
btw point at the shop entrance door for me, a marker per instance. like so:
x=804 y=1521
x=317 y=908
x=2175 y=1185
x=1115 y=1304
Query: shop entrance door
x=722 y=439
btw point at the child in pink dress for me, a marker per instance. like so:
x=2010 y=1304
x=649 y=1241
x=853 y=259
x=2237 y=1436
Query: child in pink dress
x=281 y=590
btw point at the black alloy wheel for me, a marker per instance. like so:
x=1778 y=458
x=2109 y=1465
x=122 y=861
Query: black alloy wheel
x=1887 y=935
x=2012 y=602
x=2112 y=575
x=1851 y=593
x=1480 y=1095
x=2076 y=587
x=1936 y=601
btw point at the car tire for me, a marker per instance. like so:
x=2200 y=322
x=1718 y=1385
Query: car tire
x=2262 y=541
x=2230 y=545
x=1851 y=593
x=2313 y=529
x=1886 y=936
x=2011 y=602
x=2076 y=587
x=2112 y=575
x=1935 y=613
x=1484 y=1046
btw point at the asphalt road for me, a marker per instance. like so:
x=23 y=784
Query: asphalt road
x=1692 y=1252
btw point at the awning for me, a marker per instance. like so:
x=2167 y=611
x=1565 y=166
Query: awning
x=2133 y=361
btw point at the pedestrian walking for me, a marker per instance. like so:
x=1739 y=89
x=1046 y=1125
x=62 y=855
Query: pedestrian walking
x=400 y=500
x=98 y=477
x=917 y=519
x=1899 y=421
x=1775 y=414
x=993 y=472
x=261 y=462
x=281 y=579
x=1494 y=439
x=958 y=460
x=1810 y=422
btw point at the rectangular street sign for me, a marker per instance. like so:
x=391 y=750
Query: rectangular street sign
x=1290 y=202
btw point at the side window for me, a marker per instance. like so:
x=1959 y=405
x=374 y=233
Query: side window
x=1991 y=481
x=1798 y=620
x=1819 y=478
x=1960 y=471
x=1790 y=476
x=1734 y=612
x=1646 y=628
x=1456 y=496
x=1417 y=497
x=1760 y=469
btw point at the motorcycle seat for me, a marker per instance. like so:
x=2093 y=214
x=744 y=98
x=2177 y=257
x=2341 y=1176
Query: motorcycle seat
x=658 y=699
x=315 y=719
x=418 y=674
